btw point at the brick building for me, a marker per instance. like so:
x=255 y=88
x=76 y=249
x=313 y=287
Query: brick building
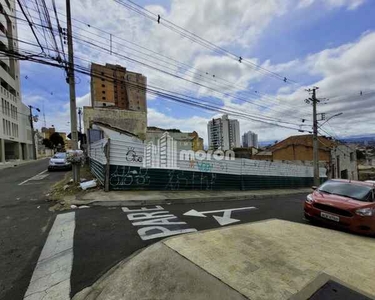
x=113 y=85
x=339 y=160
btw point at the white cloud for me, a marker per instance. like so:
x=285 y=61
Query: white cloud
x=230 y=24
x=349 y=4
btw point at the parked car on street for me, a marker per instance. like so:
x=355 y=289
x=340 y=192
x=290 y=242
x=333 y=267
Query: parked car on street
x=347 y=204
x=59 y=162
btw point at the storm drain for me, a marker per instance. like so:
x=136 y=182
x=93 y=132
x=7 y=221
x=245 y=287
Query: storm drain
x=333 y=290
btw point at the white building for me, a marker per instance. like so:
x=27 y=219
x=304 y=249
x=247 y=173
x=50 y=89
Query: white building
x=223 y=133
x=250 y=139
x=162 y=155
x=15 y=131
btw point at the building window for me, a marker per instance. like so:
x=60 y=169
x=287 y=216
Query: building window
x=103 y=85
x=351 y=156
x=103 y=92
x=103 y=98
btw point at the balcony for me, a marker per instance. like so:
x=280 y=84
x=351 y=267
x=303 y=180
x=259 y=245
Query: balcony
x=5 y=60
x=7 y=95
x=4 y=39
x=3 y=21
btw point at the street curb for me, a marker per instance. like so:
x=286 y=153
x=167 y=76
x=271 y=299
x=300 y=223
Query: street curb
x=17 y=164
x=169 y=201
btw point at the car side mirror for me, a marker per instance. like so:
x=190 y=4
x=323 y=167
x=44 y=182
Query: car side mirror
x=314 y=187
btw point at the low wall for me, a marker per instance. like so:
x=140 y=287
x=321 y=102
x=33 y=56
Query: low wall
x=127 y=171
x=135 y=178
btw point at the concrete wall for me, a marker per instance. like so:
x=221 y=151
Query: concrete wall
x=134 y=122
x=344 y=162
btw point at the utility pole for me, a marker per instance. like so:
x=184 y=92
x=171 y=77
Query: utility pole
x=32 y=131
x=314 y=101
x=72 y=88
x=80 y=119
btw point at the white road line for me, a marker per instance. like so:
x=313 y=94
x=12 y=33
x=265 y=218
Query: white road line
x=33 y=177
x=51 y=277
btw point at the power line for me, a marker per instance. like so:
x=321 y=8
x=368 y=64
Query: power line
x=30 y=24
x=180 y=65
x=199 y=40
x=171 y=95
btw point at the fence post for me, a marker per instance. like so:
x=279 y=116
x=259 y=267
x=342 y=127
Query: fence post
x=108 y=166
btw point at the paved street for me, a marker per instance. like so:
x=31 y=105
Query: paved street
x=102 y=236
x=24 y=222
x=105 y=236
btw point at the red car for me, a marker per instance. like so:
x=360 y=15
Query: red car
x=343 y=203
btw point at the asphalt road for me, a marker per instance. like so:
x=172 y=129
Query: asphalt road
x=103 y=236
x=24 y=223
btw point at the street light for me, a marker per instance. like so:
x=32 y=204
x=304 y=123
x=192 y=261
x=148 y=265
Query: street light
x=331 y=117
x=32 y=128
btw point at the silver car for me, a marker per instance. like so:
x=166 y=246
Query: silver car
x=59 y=162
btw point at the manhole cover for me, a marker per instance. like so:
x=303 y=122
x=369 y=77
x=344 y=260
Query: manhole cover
x=333 y=290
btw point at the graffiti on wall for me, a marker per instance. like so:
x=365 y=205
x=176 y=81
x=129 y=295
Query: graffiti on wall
x=178 y=179
x=132 y=156
x=125 y=175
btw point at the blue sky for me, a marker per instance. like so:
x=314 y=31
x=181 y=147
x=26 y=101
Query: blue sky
x=312 y=42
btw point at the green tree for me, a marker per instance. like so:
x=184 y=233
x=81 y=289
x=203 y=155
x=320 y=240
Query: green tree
x=56 y=139
x=48 y=143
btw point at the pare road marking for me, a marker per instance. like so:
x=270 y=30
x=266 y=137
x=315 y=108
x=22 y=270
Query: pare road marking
x=156 y=222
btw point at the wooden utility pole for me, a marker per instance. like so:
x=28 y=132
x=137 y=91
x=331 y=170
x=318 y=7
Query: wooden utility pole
x=72 y=88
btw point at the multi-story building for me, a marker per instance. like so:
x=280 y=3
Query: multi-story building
x=164 y=154
x=113 y=85
x=223 y=133
x=250 y=139
x=184 y=140
x=15 y=130
x=47 y=132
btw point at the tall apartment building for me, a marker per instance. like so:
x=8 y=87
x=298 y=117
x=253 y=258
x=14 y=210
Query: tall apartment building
x=113 y=85
x=15 y=130
x=250 y=139
x=223 y=133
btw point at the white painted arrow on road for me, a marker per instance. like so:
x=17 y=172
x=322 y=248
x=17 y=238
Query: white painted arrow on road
x=224 y=220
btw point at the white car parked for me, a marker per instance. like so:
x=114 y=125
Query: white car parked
x=59 y=162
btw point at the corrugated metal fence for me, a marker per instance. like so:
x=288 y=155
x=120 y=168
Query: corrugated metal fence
x=133 y=165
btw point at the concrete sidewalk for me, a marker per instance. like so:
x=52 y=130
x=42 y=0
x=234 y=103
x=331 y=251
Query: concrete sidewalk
x=136 y=198
x=270 y=259
x=15 y=163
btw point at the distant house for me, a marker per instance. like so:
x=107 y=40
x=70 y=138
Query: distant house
x=339 y=160
x=184 y=140
x=245 y=152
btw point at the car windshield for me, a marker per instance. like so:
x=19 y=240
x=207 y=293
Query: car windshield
x=60 y=155
x=346 y=189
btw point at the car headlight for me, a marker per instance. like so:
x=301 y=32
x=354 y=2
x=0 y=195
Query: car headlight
x=51 y=163
x=309 y=198
x=366 y=212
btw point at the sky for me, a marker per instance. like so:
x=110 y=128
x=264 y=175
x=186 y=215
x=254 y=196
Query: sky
x=325 y=43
